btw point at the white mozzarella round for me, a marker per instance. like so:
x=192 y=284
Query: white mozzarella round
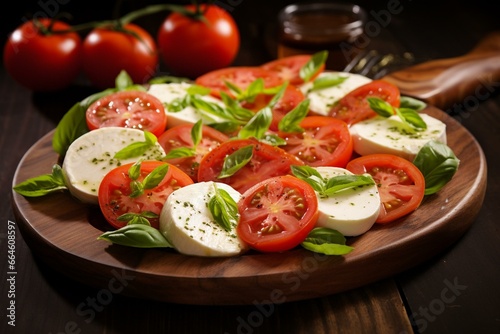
x=388 y=135
x=351 y=212
x=169 y=92
x=322 y=100
x=186 y=221
x=90 y=157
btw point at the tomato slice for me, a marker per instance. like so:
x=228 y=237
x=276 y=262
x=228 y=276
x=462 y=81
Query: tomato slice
x=277 y=214
x=129 y=109
x=241 y=77
x=326 y=141
x=180 y=137
x=114 y=192
x=354 y=107
x=267 y=161
x=288 y=68
x=401 y=185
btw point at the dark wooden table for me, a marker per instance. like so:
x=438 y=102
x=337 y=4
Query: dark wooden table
x=454 y=292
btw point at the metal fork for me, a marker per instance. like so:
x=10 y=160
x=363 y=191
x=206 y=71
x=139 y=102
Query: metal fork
x=375 y=65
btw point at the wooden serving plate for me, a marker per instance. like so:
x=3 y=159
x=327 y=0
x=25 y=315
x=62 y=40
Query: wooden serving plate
x=63 y=233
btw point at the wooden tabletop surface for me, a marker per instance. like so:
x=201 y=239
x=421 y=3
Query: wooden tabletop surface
x=456 y=291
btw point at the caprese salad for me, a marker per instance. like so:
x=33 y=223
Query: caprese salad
x=264 y=158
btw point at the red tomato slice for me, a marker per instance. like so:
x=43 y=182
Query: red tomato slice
x=114 y=191
x=267 y=161
x=128 y=109
x=277 y=214
x=354 y=107
x=326 y=141
x=290 y=99
x=180 y=136
x=288 y=68
x=239 y=76
x=401 y=185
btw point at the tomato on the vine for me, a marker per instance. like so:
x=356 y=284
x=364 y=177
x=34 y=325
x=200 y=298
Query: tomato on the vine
x=115 y=190
x=108 y=50
x=206 y=40
x=354 y=107
x=129 y=109
x=401 y=185
x=40 y=58
x=277 y=214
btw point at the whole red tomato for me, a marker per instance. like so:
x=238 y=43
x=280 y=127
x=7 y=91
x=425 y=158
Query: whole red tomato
x=109 y=50
x=40 y=58
x=194 y=45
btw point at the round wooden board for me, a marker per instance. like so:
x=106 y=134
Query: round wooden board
x=63 y=233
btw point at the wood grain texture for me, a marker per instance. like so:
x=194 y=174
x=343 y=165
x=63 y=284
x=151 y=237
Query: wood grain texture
x=443 y=82
x=63 y=233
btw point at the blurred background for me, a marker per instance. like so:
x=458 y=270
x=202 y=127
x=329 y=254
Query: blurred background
x=257 y=20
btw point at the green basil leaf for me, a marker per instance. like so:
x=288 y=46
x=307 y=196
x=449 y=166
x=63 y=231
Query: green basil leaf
x=136 y=188
x=327 y=81
x=138 y=148
x=135 y=170
x=438 y=164
x=123 y=80
x=154 y=178
x=311 y=68
x=381 y=107
x=411 y=103
x=178 y=104
x=279 y=94
x=258 y=125
x=42 y=185
x=273 y=140
x=410 y=116
x=167 y=79
x=232 y=87
x=224 y=209
x=311 y=176
x=340 y=183
x=137 y=235
x=137 y=218
x=326 y=241
x=72 y=125
x=235 y=161
x=290 y=122
x=197 y=133
x=180 y=152
x=198 y=90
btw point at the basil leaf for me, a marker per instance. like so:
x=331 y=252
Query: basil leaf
x=197 y=133
x=340 y=183
x=180 y=152
x=327 y=81
x=235 y=161
x=136 y=235
x=154 y=178
x=137 y=188
x=410 y=116
x=167 y=79
x=42 y=185
x=197 y=90
x=72 y=125
x=138 y=148
x=273 y=140
x=290 y=122
x=123 y=80
x=135 y=170
x=411 y=103
x=310 y=175
x=381 y=107
x=326 y=241
x=224 y=209
x=137 y=218
x=438 y=164
x=258 y=125
x=311 y=68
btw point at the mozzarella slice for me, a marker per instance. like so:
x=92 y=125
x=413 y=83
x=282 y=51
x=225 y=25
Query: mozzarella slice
x=351 y=212
x=388 y=135
x=168 y=93
x=90 y=157
x=186 y=221
x=322 y=100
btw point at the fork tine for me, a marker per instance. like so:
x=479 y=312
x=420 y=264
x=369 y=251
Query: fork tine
x=355 y=61
x=363 y=62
